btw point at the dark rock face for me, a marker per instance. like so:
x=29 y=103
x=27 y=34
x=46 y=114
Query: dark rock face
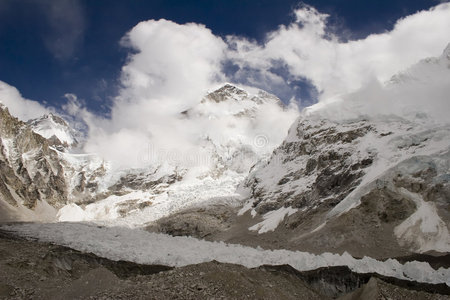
x=337 y=282
x=225 y=92
x=200 y=223
x=389 y=207
x=143 y=181
x=323 y=154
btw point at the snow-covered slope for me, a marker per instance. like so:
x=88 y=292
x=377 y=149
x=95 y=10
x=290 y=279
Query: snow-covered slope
x=56 y=130
x=379 y=157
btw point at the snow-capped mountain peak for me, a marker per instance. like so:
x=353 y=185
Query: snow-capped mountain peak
x=218 y=141
x=229 y=92
x=225 y=93
x=232 y=101
x=55 y=129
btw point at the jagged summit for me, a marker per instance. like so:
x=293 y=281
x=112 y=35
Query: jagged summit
x=56 y=129
x=9 y=125
x=232 y=101
x=230 y=92
x=55 y=118
x=227 y=92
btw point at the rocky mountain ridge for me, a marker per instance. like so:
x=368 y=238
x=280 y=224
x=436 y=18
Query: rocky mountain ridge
x=32 y=176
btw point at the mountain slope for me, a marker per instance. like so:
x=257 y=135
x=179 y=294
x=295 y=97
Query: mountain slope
x=361 y=177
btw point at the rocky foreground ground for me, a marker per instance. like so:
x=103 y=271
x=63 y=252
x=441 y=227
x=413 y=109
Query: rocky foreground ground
x=35 y=270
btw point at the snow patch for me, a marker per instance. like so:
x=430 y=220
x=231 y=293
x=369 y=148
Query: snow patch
x=424 y=228
x=50 y=125
x=247 y=206
x=71 y=213
x=272 y=219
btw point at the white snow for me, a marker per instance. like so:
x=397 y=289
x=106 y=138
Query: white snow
x=150 y=248
x=272 y=219
x=87 y=164
x=46 y=126
x=247 y=206
x=424 y=228
x=165 y=200
x=71 y=213
x=7 y=144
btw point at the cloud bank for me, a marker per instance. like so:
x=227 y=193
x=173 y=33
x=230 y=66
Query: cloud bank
x=420 y=93
x=170 y=68
x=171 y=64
x=18 y=106
x=308 y=49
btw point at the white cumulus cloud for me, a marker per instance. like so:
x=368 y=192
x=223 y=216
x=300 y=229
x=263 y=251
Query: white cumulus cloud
x=22 y=108
x=309 y=50
x=171 y=66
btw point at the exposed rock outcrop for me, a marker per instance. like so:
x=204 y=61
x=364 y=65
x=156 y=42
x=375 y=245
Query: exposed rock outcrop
x=30 y=168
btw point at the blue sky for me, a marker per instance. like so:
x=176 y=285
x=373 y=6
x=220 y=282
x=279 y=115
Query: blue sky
x=53 y=47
